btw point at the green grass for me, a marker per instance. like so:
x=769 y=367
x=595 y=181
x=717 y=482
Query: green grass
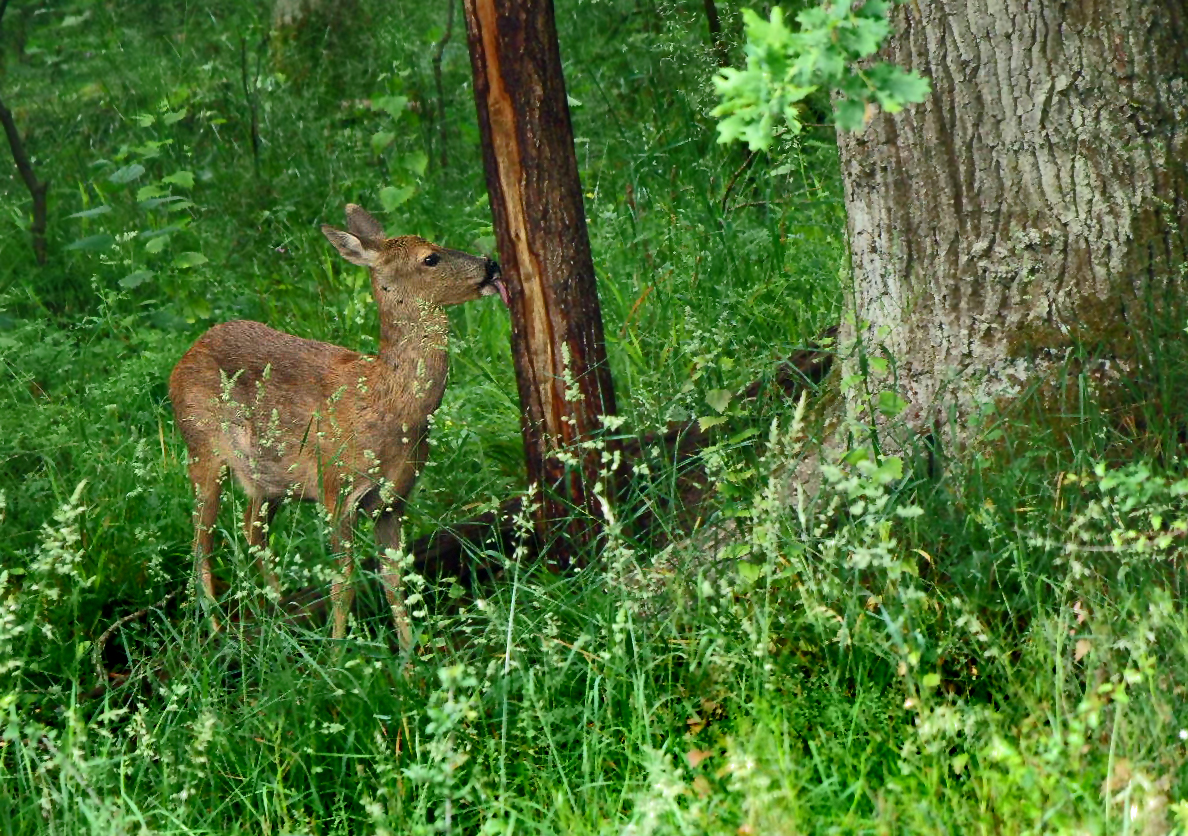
x=999 y=649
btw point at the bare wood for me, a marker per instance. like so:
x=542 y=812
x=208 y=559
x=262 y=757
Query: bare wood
x=540 y=224
x=37 y=189
x=292 y=418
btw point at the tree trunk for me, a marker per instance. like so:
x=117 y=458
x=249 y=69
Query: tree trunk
x=1036 y=203
x=540 y=225
x=38 y=189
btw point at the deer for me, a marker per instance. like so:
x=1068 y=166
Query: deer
x=298 y=419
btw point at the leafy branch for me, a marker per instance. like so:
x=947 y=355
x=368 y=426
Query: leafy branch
x=784 y=67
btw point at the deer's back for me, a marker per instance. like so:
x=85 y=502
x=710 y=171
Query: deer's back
x=280 y=410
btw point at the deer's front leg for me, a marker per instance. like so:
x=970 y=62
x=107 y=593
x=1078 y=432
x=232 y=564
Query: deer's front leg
x=387 y=540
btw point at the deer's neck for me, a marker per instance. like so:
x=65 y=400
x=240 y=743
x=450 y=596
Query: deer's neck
x=416 y=349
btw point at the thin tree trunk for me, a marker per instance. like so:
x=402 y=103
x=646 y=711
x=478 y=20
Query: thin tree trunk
x=1037 y=202
x=37 y=189
x=715 y=32
x=540 y=225
x=438 y=54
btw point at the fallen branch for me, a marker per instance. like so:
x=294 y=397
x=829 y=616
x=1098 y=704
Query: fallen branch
x=457 y=551
x=97 y=653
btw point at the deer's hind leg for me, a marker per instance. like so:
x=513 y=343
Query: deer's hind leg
x=206 y=476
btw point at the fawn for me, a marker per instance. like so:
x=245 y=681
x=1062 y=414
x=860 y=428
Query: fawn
x=301 y=419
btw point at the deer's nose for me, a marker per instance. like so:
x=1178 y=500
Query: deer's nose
x=492 y=269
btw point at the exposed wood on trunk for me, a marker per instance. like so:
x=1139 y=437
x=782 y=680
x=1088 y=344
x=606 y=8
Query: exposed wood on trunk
x=540 y=225
x=1037 y=203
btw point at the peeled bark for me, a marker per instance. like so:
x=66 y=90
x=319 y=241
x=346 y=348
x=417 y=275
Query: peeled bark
x=540 y=226
x=1037 y=202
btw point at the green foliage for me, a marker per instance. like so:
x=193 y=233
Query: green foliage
x=784 y=67
x=999 y=649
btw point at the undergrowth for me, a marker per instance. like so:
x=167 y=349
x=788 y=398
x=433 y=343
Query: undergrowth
x=999 y=646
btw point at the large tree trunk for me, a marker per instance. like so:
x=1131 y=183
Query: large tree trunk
x=1036 y=202
x=540 y=225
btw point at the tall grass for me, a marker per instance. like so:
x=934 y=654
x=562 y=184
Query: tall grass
x=841 y=645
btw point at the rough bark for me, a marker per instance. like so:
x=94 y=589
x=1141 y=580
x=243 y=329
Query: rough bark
x=540 y=226
x=1036 y=202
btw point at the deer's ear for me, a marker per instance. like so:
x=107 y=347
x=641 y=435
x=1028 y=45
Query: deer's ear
x=353 y=249
x=361 y=224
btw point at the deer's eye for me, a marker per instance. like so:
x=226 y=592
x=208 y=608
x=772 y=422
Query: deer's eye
x=431 y=260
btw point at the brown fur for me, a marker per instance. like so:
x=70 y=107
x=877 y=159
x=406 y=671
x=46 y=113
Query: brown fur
x=302 y=419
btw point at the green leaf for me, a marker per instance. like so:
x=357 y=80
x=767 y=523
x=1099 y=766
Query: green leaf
x=415 y=162
x=173 y=117
x=154 y=202
x=126 y=174
x=392 y=197
x=381 y=140
x=102 y=241
x=849 y=114
x=394 y=106
x=182 y=178
x=149 y=192
x=891 y=404
x=155 y=245
x=895 y=87
x=189 y=259
x=708 y=421
x=91 y=213
x=750 y=572
x=144 y=120
x=931 y=680
x=718 y=399
x=890 y=470
x=135 y=280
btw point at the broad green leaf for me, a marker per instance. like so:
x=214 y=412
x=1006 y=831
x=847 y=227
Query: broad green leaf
x=750 y=572
x=154 y=202
x=91 y=213
x=708 y=421
x=135 y=280
x=173 y=117
x=891 y=404
x=718 y=399
x=126 y=174
x=415 y=162
x=189 y=259
x=144 y=120
x=392 y=197
x=849 y=114
x=157 y=244
x=381 y=140
x=102 y=241
x=182 y=178
x=392 y=105
x=145 y=193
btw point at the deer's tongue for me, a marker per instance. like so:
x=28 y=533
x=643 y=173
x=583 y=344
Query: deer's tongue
x=502 y=288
